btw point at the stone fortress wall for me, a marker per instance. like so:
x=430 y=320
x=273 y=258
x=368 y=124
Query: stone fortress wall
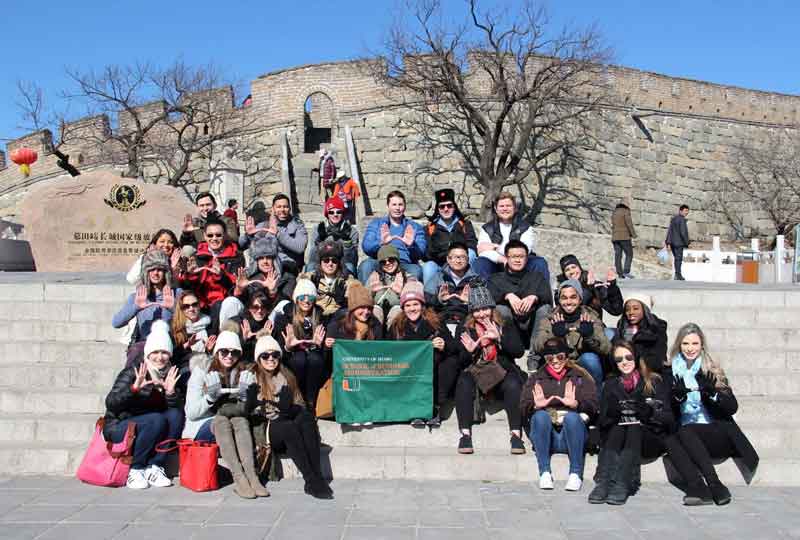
x=693 y=125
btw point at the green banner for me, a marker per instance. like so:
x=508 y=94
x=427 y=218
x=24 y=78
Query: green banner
x=382 y=381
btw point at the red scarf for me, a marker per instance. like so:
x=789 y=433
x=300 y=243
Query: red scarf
x=557 y=376
x=629 y=382
x=490 y=350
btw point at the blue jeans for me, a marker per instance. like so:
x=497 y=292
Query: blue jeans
x=571 y=440
x=592 y=363
x=370 y=265
x=151 y=429
x=485 y=268
x=430 y=268
x=205 y=433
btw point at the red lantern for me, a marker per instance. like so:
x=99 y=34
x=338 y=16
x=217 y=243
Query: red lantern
x=24 y=157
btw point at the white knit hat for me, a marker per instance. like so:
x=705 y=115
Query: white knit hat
x=304 y=287
x=227 y=340
x=266 y=344
x=158 y=339
x=644 y=299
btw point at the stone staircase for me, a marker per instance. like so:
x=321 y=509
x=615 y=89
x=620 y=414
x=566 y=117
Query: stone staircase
x=59 y=356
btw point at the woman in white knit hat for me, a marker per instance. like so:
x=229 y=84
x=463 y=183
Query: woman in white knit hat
x=148 y=393
x=281 y=416
x=300 y=331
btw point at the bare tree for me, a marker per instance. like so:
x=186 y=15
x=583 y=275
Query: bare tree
x=766 y=177
x=500 y=93
x=164 y=119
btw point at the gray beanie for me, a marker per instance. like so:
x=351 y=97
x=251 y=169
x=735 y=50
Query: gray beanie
x=265 y=246
x=480 y=298
x=572 y=283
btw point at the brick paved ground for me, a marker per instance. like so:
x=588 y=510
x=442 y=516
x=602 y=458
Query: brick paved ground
x=58 y=508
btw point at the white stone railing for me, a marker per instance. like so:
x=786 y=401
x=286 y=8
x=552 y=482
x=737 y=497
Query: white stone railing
x=719 y=266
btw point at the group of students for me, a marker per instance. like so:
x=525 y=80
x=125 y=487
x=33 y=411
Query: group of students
x=236 y=350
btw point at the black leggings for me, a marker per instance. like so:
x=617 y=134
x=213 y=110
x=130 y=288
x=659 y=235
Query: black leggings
x=300 y=438
x=508 y=391
x=706 y=443
x=309 y=368
x=644 y=442
x=445 y=375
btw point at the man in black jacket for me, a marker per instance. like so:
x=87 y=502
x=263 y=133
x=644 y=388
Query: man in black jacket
x=446 y=226
x=522 y=296
x=678 y=238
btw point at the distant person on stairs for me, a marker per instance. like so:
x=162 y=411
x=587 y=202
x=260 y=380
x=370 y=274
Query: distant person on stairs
x=327 y=170
x=346 y=190
x=622 y=233
x=678 y=238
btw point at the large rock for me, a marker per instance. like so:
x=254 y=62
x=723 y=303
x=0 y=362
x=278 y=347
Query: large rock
x=98 y=221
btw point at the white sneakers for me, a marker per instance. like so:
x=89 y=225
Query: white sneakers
x=137 y=480
x=545 y=481
x=574 y=482
x=144 y=478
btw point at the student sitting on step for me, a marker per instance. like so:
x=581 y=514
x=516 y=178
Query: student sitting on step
x=331 y=279
x=288 y=229
x=488 y=349
x=635 y=419
x=559 y=401
x=648 y=333
x=191 y=329
x=417 y=322
x=600 y=295
x=448 y=290
x=334 y=228
x=386 y=283
x=705 y=406
x=149 y=393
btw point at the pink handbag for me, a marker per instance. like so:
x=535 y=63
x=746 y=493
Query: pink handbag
x=105 y=463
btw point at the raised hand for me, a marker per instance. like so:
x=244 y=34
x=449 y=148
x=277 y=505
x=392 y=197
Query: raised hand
x=444 y=293
x=270 y=281
x=213 y=386
x=319 y=335
x=492 y=332
x=408 y=235
x=246 y=380
x=611 y=275
x=559 y=324
x=140 y=300
x=468 y=343
x=250 y=226
x=171 y=380
x=167 y=298
x=385 y=235
x=289 y=339
x=210 y=342
x=191 y=341
x=464 y=296
x=329 y=342
x=175 y=260
x=398 y=282
x=188 y=225
x=141 y=376
x=586 y=326
x=706 y=384
x=569 y=400
x=273 y=224
x=590 y=278
x=267 y=328
x=539 y=401
x=215 y=267
x=191 y=266
x=246 y=332
x=679 y=390
x=241 y=279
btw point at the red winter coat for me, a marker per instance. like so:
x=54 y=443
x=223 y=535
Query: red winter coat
x=211 y=287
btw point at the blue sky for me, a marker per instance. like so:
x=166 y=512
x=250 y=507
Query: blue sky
x=739 y=42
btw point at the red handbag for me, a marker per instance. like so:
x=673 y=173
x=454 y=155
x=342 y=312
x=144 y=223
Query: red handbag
x=197 y=461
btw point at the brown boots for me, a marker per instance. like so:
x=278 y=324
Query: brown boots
x=236 y=447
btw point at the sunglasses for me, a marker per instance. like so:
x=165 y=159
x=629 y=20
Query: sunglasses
x=559 y=356
x=306 y=298
x=335 y=212
x=445 y=206
x=213 y=235
x=389 y=260
x=271 y=355
x=190 y=306
x=230 y=352
x=258 y=307
x=329 y=260
x=623 y=358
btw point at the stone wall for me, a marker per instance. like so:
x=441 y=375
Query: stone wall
x=693 y=126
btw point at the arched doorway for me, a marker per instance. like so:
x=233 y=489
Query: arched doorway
x=318 y=120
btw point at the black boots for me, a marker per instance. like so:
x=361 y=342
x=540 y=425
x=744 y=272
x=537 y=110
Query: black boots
x=606 y=465
x=719 y=492
x=697 y=493
x=619 y=485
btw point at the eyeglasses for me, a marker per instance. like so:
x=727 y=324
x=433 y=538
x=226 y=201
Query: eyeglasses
x=258 y=307
x=329 y=260
x=271 y=355
x=230 y=352
x=213 y=235
x=306 y=298
x=445 y=206
x=623 y=358
x=190 y=306
x=390 y=260
x=335 y=212
x=560 y=356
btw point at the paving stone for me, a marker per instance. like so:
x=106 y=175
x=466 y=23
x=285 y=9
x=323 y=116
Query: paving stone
x=22 y=531
x=264 y=514
x=84 y=531
x=241 y=532
x=286 y=530
x=40 y=513
x=478 y=533
x=378 y=533
x=161 y=531
x=385 y=516
x=106 y=513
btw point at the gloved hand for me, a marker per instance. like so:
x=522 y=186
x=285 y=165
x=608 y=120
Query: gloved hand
x=284 y=399
x=560 y=329
x=644 y=411
x=706 y=384
x=585 y=329
x=246 y=379
x=613 y=410
x=679 y=390
x=213 y=386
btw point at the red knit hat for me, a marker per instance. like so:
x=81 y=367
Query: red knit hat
x=334 y=202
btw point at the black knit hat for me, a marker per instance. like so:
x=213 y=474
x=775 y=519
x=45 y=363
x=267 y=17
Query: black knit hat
x=555 y=345
x=330 y=248
x=567 y=260
x=445 y=195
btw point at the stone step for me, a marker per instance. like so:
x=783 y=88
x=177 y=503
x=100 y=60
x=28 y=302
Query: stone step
x=62 y=332
x=86 y=353
x=55 y=401
x=713 y=295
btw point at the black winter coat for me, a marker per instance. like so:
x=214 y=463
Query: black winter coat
x=663 y=420
x=650 y=340
x=521 y=284
x=678 y=232
x=439 y=239
x=122 y=403
x=509 y=349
